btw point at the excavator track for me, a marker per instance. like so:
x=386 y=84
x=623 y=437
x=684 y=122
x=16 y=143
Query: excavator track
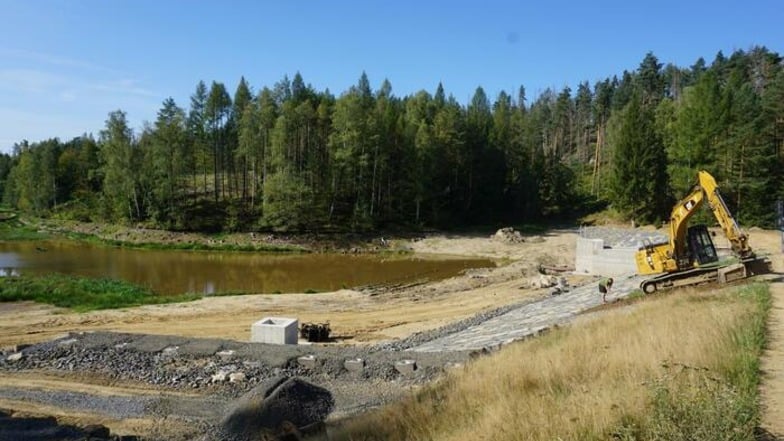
x=696 y=276
x=722 y=273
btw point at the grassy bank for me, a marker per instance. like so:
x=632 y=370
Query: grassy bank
x=81 y=293
x=676 y=367
x=12 y=229
x=183 y=246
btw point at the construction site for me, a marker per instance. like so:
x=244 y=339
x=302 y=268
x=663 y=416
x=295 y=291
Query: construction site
x=183 y=371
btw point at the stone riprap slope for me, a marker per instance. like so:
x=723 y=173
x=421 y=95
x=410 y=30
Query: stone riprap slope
x=622 y=237
x=529 y=319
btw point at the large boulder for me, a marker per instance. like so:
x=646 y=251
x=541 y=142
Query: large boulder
x=274 y=408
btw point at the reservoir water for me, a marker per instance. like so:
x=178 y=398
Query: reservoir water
x=206 y=272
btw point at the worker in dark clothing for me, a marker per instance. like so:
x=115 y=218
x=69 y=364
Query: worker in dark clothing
x=604 y=287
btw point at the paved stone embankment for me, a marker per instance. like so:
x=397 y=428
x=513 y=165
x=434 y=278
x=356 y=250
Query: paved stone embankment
x=529 y=319
x=622 y=237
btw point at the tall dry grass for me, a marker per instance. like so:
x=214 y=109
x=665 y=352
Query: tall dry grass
x=612 y=377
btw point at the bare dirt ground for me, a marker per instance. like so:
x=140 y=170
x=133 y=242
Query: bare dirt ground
x=772 y=388
x=356 y=317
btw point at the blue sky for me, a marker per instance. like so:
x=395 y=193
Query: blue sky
x=65 y=64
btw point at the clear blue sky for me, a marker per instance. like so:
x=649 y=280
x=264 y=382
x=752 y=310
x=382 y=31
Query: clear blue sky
x=64 y=64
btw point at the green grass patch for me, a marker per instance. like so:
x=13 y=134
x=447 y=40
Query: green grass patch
x=692 y=403
x=13 y=230
x=81 y=293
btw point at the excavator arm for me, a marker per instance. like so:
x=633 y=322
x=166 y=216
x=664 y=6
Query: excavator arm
x=738 y=239
x=679 y=222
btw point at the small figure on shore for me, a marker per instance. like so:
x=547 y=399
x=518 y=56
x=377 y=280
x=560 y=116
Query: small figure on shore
x=604 y=287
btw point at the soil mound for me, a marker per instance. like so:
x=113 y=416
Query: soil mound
x=508 y=235
x=277 y=407
x=30 y=428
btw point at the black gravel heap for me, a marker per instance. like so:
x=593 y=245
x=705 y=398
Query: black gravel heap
x=47 y=429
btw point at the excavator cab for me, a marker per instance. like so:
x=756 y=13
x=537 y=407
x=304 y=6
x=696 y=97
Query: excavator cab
x=701 y=249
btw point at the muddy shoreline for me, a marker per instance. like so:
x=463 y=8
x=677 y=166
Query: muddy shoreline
x=319 y=242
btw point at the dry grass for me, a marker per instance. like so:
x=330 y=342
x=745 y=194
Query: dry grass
x=613 y=377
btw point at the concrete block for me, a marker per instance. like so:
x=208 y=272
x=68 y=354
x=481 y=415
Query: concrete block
x=406 y=367
x=170 y=352
x=66 y=342
x=307 y=361
x=225 y=355
x=252 y=364
x=275 y=330
x=14 y=348
x=354 y=365
x=15 y=357
x=237 y=377
x=592 y=257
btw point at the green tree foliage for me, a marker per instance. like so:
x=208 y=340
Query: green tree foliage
x=6 y=164
x=32 y=184
x=217 y=112
x=639 y=182
x=293 y=158
x=170 y=157
x=198 y=139
x=120 y=169
x=697 y=126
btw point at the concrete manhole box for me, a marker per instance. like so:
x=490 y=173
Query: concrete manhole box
x=275 y=330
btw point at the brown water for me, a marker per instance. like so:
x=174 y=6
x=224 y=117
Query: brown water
x=174 y=272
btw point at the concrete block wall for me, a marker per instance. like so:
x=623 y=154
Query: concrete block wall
x=593 y=258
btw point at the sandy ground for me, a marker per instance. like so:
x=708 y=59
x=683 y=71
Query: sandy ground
x=772 y=366
x=355 y=317
x=359 y=317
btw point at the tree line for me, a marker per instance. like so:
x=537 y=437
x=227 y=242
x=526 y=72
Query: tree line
x=293 y=158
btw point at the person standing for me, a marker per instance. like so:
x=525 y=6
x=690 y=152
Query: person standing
x=604 y=287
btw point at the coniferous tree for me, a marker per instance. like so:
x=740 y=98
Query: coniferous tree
x=773 y=115
x=118 y=167
x=169 y=161
x=217 y=112
x=639 y=182
x=292 y=158
x=237 y=176
x=198 y=136
x=698 y=125
x=603 y=99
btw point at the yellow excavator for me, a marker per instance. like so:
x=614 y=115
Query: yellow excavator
x=689 y=256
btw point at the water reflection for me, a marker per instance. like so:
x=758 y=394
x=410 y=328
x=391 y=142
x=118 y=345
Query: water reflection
x=172 y=272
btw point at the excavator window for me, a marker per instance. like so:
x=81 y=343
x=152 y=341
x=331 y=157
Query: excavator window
x=701 y=246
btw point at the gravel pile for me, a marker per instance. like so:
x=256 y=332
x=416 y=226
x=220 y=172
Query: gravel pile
x=122 y=364
x=230 y=372
x=217 y=375
x=621 y=237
